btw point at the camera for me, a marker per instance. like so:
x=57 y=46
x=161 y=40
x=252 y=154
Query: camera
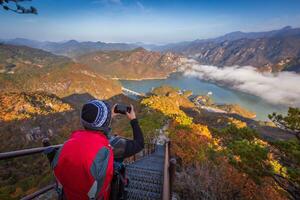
x=122 y=109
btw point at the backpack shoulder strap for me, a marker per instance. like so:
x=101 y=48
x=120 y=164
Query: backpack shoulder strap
x=59 y=186
x=119 y=145
x=98 y=171
x=56 y=157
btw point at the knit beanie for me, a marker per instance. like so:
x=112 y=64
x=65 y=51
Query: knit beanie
x=96 y=115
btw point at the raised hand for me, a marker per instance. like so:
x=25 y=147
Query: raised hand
x=131 y=115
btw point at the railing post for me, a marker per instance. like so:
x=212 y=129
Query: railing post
x=166 y=183
x=145 y=152
x=172 y=171
x=148 y=149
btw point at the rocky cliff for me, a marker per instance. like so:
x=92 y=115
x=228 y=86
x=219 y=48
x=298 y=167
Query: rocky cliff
x=273 y=51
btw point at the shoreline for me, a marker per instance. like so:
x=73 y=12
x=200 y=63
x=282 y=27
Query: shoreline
x=150 y=78
x=265 y=107
x=140 y=79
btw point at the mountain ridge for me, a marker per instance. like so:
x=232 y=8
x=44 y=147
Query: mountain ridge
x=27 y=69
x=272 y=51
x=135 y=64
x=70 y=48
x=285 y=31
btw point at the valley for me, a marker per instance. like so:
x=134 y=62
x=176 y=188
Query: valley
x=271 y=51
x=220 y=94
x=222 y=138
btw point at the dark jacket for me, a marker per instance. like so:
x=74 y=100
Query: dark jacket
x=123 y=147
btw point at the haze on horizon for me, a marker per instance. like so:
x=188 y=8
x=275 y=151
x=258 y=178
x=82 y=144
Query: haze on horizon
x=157 y=22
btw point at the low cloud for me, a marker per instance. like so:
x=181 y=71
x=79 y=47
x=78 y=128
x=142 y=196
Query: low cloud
x=281 y=88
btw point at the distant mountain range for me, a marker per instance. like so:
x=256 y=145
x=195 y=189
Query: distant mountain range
x=71 y=48
x=272 y=51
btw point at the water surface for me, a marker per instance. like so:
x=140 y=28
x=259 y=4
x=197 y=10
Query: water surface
x=221 y=94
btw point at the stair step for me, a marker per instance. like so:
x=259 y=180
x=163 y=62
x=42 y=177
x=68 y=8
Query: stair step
x=134 y=194
x=141 y=185
x=146 y=177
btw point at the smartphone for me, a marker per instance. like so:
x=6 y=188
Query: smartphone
x=122 y=109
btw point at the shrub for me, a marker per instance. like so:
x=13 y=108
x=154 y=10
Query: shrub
x=248 y=157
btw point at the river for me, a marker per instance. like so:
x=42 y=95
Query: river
x=221 y=94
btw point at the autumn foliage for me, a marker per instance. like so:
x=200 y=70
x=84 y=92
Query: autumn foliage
x=230 y=163
x=18 y=106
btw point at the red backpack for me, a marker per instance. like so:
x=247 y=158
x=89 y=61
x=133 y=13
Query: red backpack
x=83 y=166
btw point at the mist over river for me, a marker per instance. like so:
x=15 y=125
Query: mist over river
x=221 y=94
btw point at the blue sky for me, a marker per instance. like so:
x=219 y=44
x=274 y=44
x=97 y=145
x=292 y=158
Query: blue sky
x=147 y=21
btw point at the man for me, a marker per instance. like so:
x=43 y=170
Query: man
x=83 y=167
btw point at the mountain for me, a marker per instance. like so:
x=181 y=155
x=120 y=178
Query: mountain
x=274 y=50
x=267 y=54
x=269 y=51
x=136 y=64
x=284 y=32
x=27 y=69
x=18 y=59
x=287 y=31
x=71 y=48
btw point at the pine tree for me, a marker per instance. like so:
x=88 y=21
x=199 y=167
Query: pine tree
x=290 y=122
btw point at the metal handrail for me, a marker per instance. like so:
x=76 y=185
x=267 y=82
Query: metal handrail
x=39 y=192
x=166 y=195
x=148 y=149
x=25 y=152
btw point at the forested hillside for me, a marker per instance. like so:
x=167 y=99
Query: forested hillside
x=136 y=64
x=28 y=69
x=214 y=87
x=220 y=155
x=225 y=159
